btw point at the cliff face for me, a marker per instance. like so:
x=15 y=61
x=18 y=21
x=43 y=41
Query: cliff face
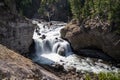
x=15 y=31
x=92 y=34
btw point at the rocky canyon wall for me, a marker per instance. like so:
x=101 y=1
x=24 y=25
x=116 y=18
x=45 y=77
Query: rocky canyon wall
x=92 y=34
x=15 y=31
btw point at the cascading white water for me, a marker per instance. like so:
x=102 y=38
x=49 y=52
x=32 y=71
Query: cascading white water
x=50 y=49
x=49 y=45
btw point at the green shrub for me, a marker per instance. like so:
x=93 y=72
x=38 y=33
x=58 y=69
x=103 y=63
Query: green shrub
x=103 y=76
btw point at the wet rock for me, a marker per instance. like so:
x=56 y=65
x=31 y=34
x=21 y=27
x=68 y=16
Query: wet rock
x=43 y=37
x=94 y=35
x=71 y=69
x=61 y=51
x=50 y=24
x=37 y=30
x=39 y=34
x=94 y=54
x=61 y=61
x=58 y=67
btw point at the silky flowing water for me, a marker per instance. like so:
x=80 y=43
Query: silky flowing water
x=50 y=49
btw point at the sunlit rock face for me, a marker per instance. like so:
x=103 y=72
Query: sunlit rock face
x=52 y=50
x=93 y=34
x=15 y=32
x=13 y=66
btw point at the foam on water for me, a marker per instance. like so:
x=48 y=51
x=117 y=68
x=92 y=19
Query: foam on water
x=51 y=49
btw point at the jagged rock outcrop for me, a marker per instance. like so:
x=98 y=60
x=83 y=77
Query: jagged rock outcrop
x=92 y=34
x=15 y=31
x=16 y=35
x=13 y=66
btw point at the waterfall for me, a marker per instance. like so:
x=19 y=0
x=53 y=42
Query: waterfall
x=48 y=44
x=51 y=49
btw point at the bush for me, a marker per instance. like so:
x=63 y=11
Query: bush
x=103 y=76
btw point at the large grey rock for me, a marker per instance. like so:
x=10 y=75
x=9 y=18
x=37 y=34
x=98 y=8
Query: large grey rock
x=61 y=51
x=93 y=34
x=13 y=66
x=15 y=32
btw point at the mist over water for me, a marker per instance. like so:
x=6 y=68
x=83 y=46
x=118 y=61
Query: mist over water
x=51 y=49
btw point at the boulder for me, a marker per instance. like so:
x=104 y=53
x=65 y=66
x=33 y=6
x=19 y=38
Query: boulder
x=95 y=34
x=15 y=31
x=61 y=51
x=13 y=66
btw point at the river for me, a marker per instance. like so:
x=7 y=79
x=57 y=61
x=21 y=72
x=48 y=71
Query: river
x=51 y=49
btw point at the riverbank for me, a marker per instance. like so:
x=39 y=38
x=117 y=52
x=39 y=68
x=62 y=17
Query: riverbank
x=71 y=66
x=72 y=75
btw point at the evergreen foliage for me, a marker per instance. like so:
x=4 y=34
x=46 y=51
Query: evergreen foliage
x=108 y=10
x=76 y=8
x=48 y=8
x=45 y=7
